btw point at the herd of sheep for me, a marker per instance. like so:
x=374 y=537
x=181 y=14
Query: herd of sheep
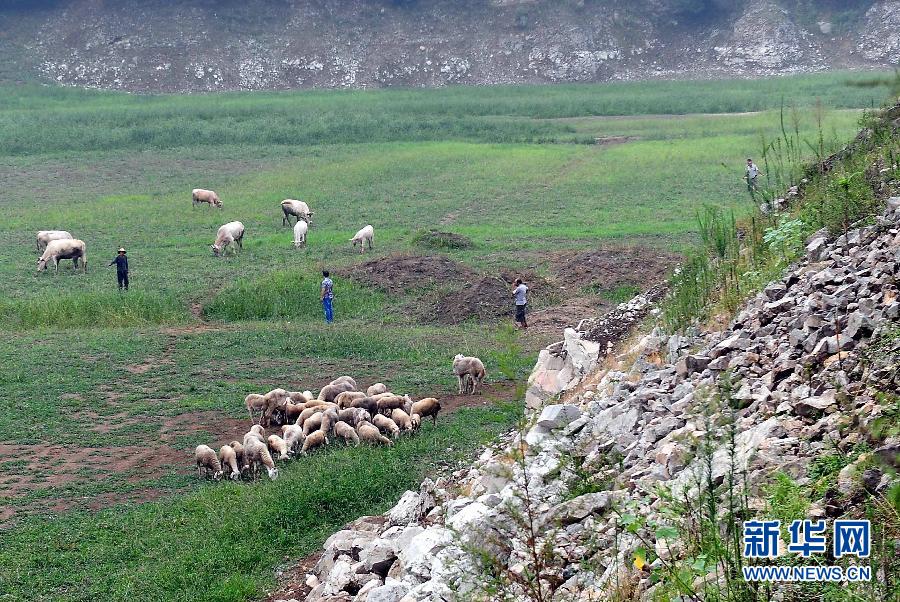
x=340 y=410
x=56 y=245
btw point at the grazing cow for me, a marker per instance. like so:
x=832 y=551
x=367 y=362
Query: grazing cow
x=199 y=196
x=45 y=236
x=73 y=249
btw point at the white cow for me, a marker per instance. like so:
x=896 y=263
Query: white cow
x=300 y=230
x=298 y=209
x=45 y=236
x=367 y=234
x=200 y=195
x=56 y=250
x=232 y=232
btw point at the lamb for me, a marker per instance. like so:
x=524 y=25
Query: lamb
x=232 y=232
x=369 y=432
x=376 y=389
x=292 y=411
x=298 y=397
x=402 y=419
x=276 y=399
x=329 y=418
x=329 y=392
x=297 y=209
x=207 y=460
x=387 y=425
x=256 y=432
x=300 y=230
x=228 y=459
x=45 y=236
x=56 y=250
x=255 y=403
x=278 y=445
x=365 y=235
x=314 y=440
x=427 y=407
x=370 y=404
x=313 y=423
x=200 y=195
x=257 y=452
x=306 y=413
x=345 y=379
x=416 y=421
x=387 y=403
x=293 y=437
x=468 y=366
x=343 y=399
x=354 y=416
x=238 y=448
x=346 y=432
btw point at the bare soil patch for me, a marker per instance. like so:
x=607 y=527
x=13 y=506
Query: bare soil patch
x=400 y=273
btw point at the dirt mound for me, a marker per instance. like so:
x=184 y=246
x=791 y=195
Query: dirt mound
x=436 y=239
x=487 y=297
x=400 y=273
x=607 y=268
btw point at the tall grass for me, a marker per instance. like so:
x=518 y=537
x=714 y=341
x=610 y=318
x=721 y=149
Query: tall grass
x=102 y=309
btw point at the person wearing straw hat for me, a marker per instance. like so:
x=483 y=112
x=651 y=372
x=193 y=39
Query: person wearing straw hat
x=121 y=262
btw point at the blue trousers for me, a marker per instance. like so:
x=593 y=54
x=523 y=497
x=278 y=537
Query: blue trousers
x=329 y=312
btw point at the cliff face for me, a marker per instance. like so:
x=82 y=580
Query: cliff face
x=201 y=45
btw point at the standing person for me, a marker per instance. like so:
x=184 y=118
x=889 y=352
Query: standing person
x=327 y=296
x=751 y=175
x=521 y=302
x=121 y=262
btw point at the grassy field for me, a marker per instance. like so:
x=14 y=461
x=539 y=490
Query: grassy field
x=105 y=395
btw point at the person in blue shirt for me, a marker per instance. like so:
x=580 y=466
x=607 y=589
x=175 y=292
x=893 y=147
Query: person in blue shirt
x=121 y=263
x=327 y=296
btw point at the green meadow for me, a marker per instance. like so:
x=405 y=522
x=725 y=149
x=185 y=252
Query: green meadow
x=105 y=395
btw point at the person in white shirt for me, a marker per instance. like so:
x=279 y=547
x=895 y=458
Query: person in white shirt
x=521 y=302
x=752 y=173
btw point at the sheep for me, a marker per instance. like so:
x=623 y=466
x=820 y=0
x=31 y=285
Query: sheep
x=255 y=403
x=238 y=448
x=278 y=445
x=200 y=195
x=232 y=232
x=401 y=419
x=415 y=421
x=256 y=432
x=365 y=235
x=257 y=452
x=292 y=411
x=313 y=423
x=370 y=404
x=293 y=437
x=276 y=399
x=468 y=366
x=343 y=399
x=298 y=209
x=387 y=403
x=314 y=440
x=298 y=397
x=376 y=389
x=369 y=432
x=300 y=230
x=427 y=407
x=329 y=418
x=387 y=425
x=306 y=413
x=45 y=236
x=346 y=432
x=329 y=392
x=228 y=459
x=354 y=416
x=207 y=460
x=56 y=250
x=345 y=379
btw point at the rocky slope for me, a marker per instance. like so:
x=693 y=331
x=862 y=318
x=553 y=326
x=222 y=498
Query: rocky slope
x=263 y=44
x=805 y=368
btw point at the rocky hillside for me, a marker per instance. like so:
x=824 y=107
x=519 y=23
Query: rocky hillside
x=636 y=468
x=200 y=45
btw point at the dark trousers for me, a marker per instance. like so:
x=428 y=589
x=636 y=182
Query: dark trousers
x=122 y=277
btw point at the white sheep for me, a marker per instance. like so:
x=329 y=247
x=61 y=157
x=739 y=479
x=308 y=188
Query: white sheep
x=255 y=403
x=365 y=235
x=56 y=250
x=386 y=425
x=314 y=440
x=469 y=372
x=200 y=196
x=257 y=452
x=293 y=437
x=228 y=459
x=369 y=432
x=279 y=446
x=207 y=461
x=376 y=389
x=402 y=419
x=297 y=209
x=346 y=432
x=232 y=232
x=45 y=236
x=300 y=230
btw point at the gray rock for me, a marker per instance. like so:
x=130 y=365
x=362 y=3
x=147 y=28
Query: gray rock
x=407 y=509
x=388 y=593
x=576 y=510
x=814 y=406
x=378 y=556
x=817 y=249
x=558 y=415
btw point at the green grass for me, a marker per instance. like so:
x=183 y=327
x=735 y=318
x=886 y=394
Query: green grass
x=100 y=373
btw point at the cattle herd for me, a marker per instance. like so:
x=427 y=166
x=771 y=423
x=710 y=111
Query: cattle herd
x=56 y=245
x=340 y=411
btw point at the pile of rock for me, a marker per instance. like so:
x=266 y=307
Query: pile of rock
x=796 y=355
